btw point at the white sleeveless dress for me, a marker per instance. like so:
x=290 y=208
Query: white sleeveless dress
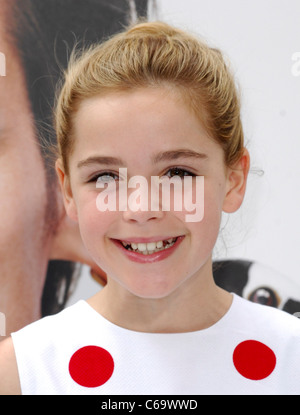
x=253 y=349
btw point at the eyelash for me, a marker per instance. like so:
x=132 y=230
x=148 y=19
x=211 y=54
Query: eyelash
x=183 y=173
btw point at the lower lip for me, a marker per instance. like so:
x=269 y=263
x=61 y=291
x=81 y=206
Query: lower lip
x=150 y=258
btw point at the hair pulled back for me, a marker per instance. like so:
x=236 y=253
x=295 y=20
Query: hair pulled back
x=151 y=55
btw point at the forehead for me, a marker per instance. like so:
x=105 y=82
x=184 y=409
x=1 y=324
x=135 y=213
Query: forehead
x=141 y=129
x=14 y=73
x=144 y=113
x=136 y=126
x=15 y=114
x=6 y=20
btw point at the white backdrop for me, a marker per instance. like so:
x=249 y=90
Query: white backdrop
x=260 y=38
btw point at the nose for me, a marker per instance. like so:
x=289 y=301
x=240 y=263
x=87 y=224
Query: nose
x=141 y=217
x=141 y=208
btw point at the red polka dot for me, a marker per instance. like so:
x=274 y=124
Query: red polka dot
x=91 y=366
x=254 y=360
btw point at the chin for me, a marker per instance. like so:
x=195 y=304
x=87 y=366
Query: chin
x=152 y=291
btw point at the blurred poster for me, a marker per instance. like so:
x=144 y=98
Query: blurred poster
x=39 y=248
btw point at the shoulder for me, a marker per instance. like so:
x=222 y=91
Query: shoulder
x=26 y=352
x=59 y=324
x=9 y=376
x=49 y=331
x=44 y=348
x=267 y=319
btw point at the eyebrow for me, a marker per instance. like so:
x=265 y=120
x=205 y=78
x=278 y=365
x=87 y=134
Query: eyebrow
x=176 y=154
x=106 y=160
x=161 y=156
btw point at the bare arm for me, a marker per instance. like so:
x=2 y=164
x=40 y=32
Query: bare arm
x=9 y=376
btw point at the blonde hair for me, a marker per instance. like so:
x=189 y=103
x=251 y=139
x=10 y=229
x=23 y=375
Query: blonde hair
x=151 y=55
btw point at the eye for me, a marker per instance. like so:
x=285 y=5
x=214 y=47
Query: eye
x=177 y=171
x=105 y=177
x=264 y=295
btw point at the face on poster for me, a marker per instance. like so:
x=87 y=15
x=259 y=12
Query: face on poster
x=39 y=247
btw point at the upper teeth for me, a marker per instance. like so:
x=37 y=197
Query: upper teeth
x=150 y=247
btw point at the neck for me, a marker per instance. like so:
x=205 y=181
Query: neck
x=195 y=305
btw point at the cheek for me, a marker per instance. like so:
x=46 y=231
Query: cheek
x=23 y=199
x=93 y=224
x=202 y=205
x=204 y=232
x=213 y=203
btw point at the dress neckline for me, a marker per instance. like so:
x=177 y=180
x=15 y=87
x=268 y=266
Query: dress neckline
x=97 y=317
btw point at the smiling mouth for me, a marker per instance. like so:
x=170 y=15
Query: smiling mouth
x=149 y=247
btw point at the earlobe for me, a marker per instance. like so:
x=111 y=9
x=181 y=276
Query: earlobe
x=66 y=190
x=236 y=184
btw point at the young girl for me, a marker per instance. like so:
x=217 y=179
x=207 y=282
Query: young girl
x=152 y=101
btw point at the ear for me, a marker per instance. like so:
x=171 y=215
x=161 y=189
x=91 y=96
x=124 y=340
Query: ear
x=236 y=183
x=65 y=185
